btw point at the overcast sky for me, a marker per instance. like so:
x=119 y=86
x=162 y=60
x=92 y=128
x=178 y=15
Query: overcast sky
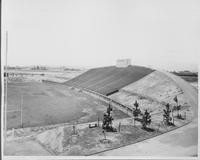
x=159 y=33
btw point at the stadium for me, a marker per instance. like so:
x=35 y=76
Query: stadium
x=68 y=117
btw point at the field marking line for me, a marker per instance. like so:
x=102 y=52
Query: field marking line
x=13 y=111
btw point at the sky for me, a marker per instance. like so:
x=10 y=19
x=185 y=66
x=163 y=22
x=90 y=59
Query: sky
x=162 y=34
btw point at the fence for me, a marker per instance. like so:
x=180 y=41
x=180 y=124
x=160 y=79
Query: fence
x=98 y=95
x=118 y=105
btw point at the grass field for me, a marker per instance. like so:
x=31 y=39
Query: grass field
x=47 y=104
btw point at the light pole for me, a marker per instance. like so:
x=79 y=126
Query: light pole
x=6 y=86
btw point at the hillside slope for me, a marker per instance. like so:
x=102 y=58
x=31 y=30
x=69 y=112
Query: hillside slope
x=152 y=92
x=158 y=86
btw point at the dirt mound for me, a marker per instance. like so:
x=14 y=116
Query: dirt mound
x=157 y=86
x=52 y=139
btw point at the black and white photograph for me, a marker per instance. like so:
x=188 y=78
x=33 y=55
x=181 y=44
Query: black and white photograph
x=99 y=79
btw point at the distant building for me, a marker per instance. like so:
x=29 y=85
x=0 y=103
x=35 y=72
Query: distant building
x=39 y=68
x=123 y=62
x=6 y=74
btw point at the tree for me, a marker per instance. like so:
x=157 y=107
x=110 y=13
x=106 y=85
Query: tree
x=107 y=120
x=146 y=119
x=166 y=116
x=178 y=109
x=136 y=105
x=109 y=109
x=136 y=110
x=176 y=99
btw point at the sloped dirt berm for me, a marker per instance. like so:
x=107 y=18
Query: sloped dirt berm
x=88 y=141
x=152 y=93
x=62 y=141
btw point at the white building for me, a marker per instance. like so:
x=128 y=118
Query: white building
x=123 y=62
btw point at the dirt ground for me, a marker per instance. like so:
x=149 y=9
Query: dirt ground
x=89 y=142
x=47 y=104
x=86 y=141
x=25 y=148
x=66 y=141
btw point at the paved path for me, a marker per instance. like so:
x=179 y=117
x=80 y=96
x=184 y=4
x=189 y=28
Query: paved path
x=25 y=148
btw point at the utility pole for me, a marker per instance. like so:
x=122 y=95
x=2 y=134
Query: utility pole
x=6 y=86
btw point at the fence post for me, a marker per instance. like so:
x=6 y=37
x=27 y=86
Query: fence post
x=104 y=134
x=158 y=128
x=74 y=132
x=98 y=122
x=119 y=126
x=173 y=117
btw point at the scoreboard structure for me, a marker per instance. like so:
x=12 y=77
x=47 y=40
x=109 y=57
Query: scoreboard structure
x=123 y=62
